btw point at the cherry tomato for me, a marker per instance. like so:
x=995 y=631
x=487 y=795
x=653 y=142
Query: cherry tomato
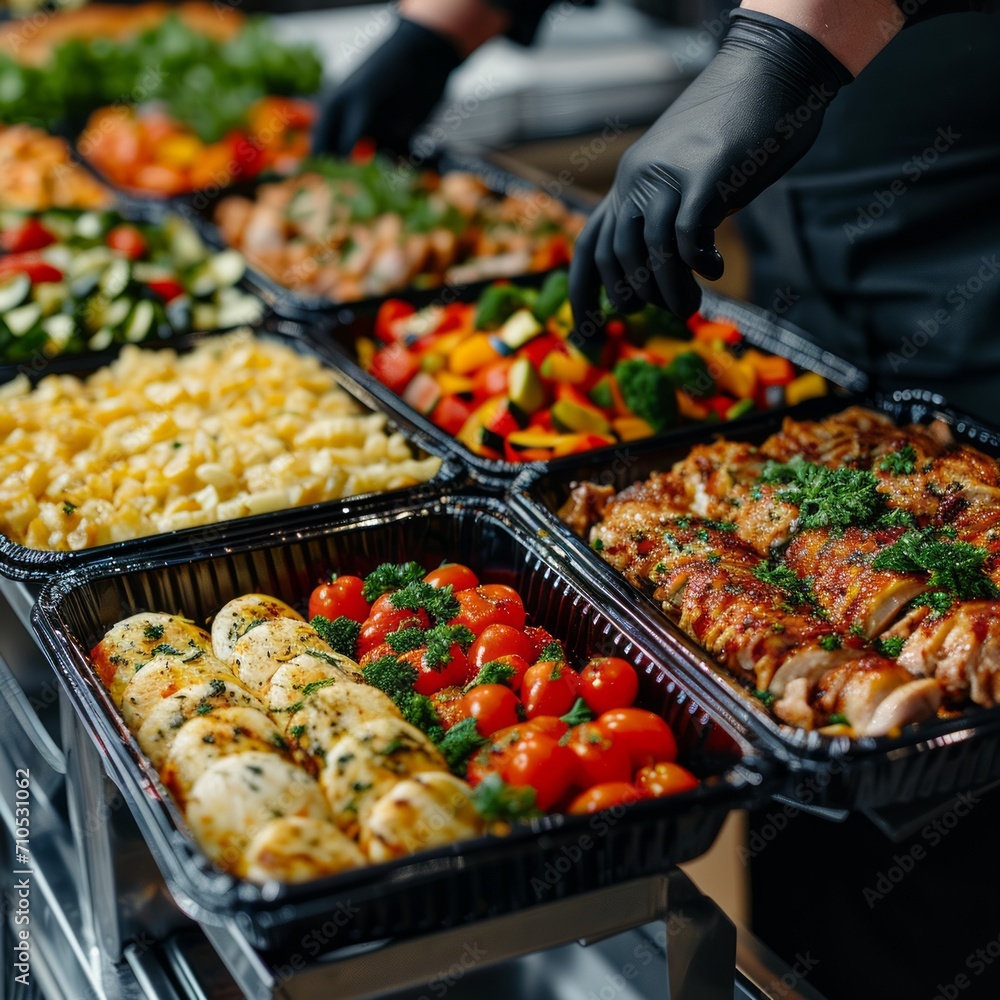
x=549 y=688
x=539 y=638
x=376 y=627
x=167 y=288
x=599 y=759
x=611 y=793
x=431 y=679
x=518 y=664
x=539 y=762
x=665 y=778
x=491 y=380
x=340 y=597
x=128 y=240
x=491 y=604
x=460 y=577
x=29 y=235
x=544 y=725
x=493 y=706
x=449 y=703
x=388 y=315
x=608 y=682
x=496 y=641
x=31 y=264
x=644 y=735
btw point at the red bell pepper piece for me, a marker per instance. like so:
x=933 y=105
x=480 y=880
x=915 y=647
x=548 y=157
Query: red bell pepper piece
x=718 y=405
x=492 y=380
x=388 y=314
x=451 y=413
x=30 y=264
x=30 y=235
x=167 y=288
x=394 y=366
x=538 y=349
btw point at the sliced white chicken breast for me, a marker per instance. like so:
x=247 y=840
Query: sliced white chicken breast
x=242 y=614
x=158 y=732
x=163 y=676
x=290 y=681
x=428 y=810
x=203 y=740
x=133 y=642
x=329 y=709
x=365 y=764
x=240 y=794
x=298 y=849
x=263 y=649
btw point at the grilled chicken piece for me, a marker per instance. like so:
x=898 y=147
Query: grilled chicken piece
x=206 y=738
x=711 y=473
x=960 y=650
x=290 y=681
x=426 y=811
x=298 y=849
x=240 y=794
x=739 y=619
x=242 y=614
x=259 y=652
x=331 y=710
x=850 y=591
x=876 y=695
x=763 y=520
x=845 y=438
x=585 y=506
x=161 y=677
x=157 y=734
x=365 y=764
x=134 y=641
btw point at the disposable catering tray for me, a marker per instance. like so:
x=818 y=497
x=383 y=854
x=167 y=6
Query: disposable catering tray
x=826 y=774
x=20 y=562
x=463 y=882
x=760 y=328
x=299 y=305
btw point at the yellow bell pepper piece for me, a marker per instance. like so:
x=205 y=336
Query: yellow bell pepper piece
x=736 y=376
x=365 y=350
x=631 y=428
x=690 y=409
x=471 y=433
x=561 y=367
x=452 y=384
x=668 y=348
x=808 y=386
x=473 y=353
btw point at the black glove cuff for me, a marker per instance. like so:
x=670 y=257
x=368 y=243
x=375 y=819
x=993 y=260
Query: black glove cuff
x=798 y=53
x=442 y=56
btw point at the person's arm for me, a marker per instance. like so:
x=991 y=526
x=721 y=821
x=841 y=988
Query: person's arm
x=745 y=121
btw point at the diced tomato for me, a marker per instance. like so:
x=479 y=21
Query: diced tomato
x=542 y=419
x=451 y=414
x=457 y=316
x=388 y=313
x=127 y=240
x=30 y=235
x=364 y=150
x=504 y=420
x=536 y=350
x=719 y=405
x=615 y=328
x=167 y=288
x=30 y=264
x=248 y=157
x=394 y=366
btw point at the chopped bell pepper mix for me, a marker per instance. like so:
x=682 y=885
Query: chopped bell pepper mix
x=507 y=377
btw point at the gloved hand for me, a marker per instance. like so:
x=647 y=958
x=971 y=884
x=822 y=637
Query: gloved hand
x=752 y=113
x=389 y=96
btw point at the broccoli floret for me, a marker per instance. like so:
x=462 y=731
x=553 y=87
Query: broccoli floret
x=459 y=743
x=648 y=392
x=552 y=652
x=689 y=371
x=419 y=711
x=406 y=639
x=390 y=675
x=494 y=799
x=438 y=602
x=341 y=634
x=390 y=576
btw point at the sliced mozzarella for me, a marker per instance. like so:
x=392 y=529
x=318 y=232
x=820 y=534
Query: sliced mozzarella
x=298 y=849
x=259 y=652
x=242 y=614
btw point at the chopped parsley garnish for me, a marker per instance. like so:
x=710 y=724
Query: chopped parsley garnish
x=577 y=714
x=552 y=652
x=296 y=731
x=438 y=602
x=204 y=708
x=68 y=508
x=891 y=646
x=313 y=686
x=495 y=800
x=766 y=697
x=830 y=642
x=389 y=577
x=494 y=672
x=166 y=649
x=439 y=641
x=797 y=589
x=895 y=518
x=937 y=600
x=405 y=640
x=153 y=632
x=858 y=630
x=598 y=545
x=396 y=679
x=900 y=463
x=953 y=566
x=341 y=634
x=721 y=525
x=837 y=719
x=826 y=498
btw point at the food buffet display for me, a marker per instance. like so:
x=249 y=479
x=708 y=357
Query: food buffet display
x=400 y=600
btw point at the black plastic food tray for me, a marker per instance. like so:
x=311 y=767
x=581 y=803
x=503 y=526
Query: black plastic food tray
x=200 y=207
x=823 y=773
x=19 y=562
x=761 y=329
x=463 y=882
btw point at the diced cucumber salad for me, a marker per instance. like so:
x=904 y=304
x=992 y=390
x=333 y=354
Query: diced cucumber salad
x=73 y=282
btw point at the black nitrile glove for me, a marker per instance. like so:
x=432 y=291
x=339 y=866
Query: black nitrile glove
x=389 y=96
x=752 y=113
